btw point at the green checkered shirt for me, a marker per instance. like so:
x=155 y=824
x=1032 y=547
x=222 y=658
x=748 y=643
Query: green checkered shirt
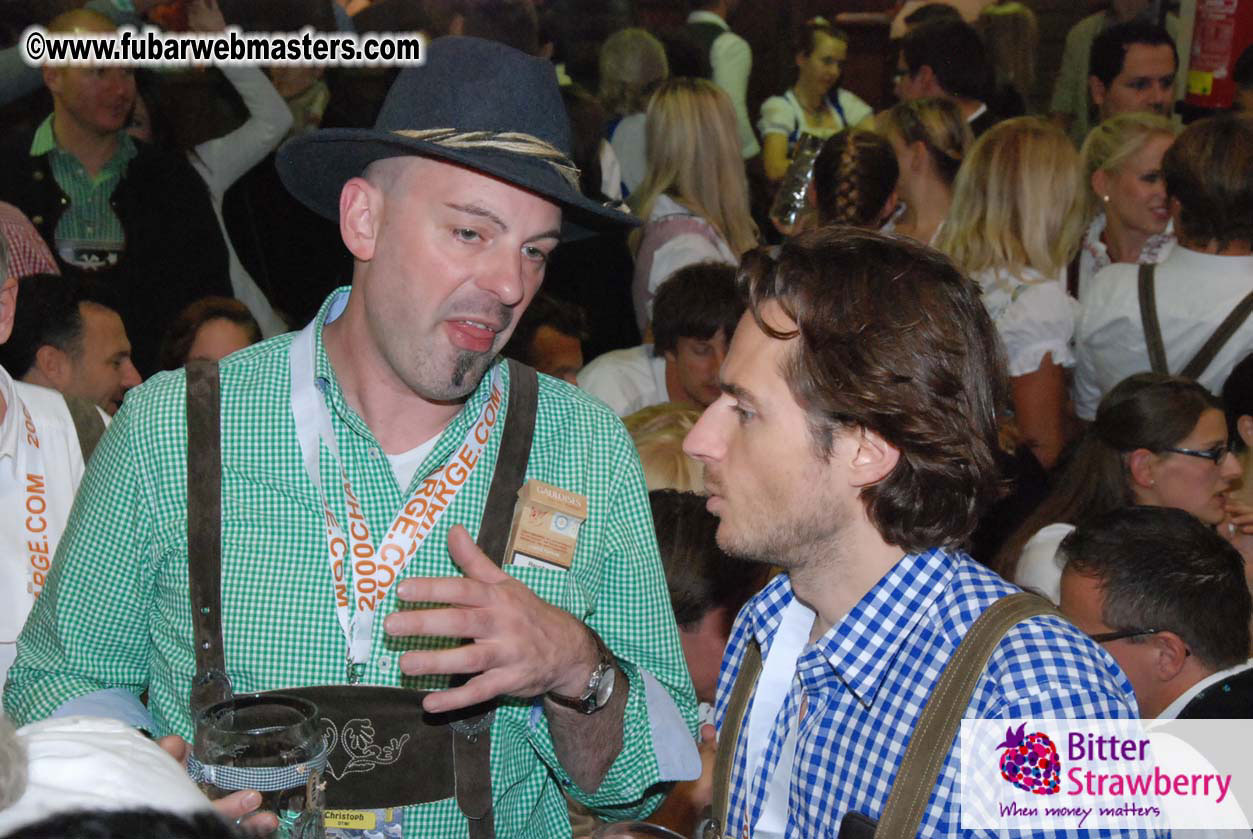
x=89 y=222
x=116 y=610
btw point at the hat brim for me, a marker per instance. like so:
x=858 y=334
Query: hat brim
x=314 y=167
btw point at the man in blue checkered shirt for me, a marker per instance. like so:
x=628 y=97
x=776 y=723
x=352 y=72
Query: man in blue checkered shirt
x=853 y=445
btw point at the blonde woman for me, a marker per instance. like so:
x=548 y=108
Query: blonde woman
x=1127 y=206
x=931 y=138
x=632 y=64
x=1012 y=227
x=816 y=104
x=694 y=199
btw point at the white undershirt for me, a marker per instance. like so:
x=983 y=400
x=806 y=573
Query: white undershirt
x=406 y=463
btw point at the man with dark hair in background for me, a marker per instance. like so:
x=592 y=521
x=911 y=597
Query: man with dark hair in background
x=68 y=336
x=550 y=337
x=864 y=369
x=1070 y=105
x=947 y=58
x=694 y=316
x=1132 y=67
x=1168 y=599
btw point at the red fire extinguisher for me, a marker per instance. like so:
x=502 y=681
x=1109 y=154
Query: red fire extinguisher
x=1224 y=28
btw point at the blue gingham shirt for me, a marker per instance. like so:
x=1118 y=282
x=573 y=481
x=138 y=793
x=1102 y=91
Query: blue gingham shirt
x=866 y=680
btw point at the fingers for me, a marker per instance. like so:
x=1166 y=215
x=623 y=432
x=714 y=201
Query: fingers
x=440 y=623
x=241 y=808
x=473 y=562
x=708 y=734
x=455 y=591
x=481 y=688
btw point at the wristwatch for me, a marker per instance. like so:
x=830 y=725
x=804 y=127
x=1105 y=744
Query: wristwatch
x=599 y=686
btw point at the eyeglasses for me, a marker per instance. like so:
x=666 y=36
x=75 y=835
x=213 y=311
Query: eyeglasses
x=1216 y=454
x=1118 y=635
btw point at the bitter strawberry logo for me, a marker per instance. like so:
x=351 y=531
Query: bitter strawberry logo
x=1030 y=762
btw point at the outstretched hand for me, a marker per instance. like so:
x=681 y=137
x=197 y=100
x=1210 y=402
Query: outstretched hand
x=520 y=645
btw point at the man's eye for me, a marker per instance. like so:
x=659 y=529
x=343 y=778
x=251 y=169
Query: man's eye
x=535 y=254
x=742 y=414
x=466 y=234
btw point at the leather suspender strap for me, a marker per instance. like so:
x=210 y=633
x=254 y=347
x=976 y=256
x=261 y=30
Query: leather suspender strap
x=724 y=758
x=204 y=533
x=1219 y=339
x=88 y=426
x=472 y=751
x=1209 y=350
x=1148 y=319
x=472 y=744
x=933 y=734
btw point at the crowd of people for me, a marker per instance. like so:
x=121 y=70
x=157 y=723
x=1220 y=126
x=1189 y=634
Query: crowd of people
x=261 y=322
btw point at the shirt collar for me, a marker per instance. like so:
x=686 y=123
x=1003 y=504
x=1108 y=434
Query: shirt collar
x=860 y=647
x=12 y=416
x=45 y=141
x=703 y=16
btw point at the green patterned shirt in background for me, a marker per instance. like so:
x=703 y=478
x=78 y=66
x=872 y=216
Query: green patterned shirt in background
x=116 y=610
x=89 y=234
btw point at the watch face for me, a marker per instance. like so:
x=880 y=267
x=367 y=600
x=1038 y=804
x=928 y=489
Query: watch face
x=604 y=687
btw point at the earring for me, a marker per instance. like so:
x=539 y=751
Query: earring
x=1105 y=198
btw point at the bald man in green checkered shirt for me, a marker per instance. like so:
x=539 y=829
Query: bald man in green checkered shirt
x=450 y=212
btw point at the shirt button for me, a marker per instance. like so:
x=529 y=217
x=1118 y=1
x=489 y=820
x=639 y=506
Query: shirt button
x=37 y=220
x=64 y=200
x=38 y=175
x=385 y=664
x=374 y=453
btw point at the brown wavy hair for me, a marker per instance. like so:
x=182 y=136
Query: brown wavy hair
x=893 y=339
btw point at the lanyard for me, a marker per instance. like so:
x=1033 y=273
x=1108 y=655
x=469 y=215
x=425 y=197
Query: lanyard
x=39 y=545
x=777 y=674
x=374 y=571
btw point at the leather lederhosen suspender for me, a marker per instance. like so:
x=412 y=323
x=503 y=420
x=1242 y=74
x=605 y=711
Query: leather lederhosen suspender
x=413 y=757
x=1153 y=329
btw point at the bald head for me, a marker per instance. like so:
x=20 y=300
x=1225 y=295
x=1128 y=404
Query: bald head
x=91 y=105
x=80 y=21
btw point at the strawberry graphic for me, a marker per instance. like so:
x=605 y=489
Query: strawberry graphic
x=1030 y=762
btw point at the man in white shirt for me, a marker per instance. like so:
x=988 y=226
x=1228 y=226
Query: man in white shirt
x=41 y=463
x=694 y=317
x=731 y=59
x=1209 y=178
x=1166 y=596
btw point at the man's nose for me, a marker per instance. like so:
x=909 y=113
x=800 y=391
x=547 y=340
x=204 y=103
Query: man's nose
x=130 y=376
x=505 y=277
x=705 y=441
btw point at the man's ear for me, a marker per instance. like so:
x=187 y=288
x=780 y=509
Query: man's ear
x=53 y=365
x=1096 y=91
x=874 y=459
x=52 y=79
x=360 y=214
x=1170 y=653
x=8 y=307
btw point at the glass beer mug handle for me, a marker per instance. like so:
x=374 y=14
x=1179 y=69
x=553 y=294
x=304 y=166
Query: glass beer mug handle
x=792 y=197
